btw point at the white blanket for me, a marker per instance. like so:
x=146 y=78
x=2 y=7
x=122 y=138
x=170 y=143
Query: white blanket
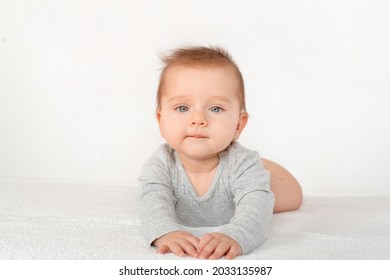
x=73 y=221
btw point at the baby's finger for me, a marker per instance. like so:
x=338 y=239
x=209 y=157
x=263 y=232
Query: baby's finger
x=189 y=249
x=163 y=249
x=209 y=249
x=204 y=240
x=233 y=252
x=176 y=249
x=220 y=251
x=194 y=241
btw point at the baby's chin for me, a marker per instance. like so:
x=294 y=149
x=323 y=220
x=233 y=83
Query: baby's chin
x=200 y=154
x=200 y=148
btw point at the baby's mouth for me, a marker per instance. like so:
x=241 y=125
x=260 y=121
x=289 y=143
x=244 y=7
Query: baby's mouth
x=198 y=136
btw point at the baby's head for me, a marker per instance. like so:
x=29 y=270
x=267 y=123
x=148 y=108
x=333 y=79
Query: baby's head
x=199 y=57
x=200 y=102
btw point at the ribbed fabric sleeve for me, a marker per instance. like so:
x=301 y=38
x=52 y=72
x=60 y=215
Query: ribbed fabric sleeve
x=250 y=185
x=156 y=202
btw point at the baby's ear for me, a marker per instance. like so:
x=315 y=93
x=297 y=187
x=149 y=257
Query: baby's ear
x=158 y=116
x=241 y=124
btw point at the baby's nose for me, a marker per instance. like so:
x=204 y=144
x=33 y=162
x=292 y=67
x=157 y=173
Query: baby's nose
x=198 y=120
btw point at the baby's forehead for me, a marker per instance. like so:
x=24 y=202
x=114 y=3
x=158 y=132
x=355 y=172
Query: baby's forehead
x=196 y=75
x=178 y=72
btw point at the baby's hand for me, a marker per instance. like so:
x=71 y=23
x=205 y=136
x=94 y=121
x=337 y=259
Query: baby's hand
x=180 y=243
x=213 y=246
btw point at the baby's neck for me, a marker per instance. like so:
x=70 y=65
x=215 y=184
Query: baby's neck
x=201 y=173
x=199 y=166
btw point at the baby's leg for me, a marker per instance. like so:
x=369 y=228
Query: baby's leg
x=287 y=191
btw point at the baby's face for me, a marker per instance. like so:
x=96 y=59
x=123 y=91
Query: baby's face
x=200 y=111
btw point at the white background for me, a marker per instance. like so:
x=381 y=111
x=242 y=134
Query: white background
x=78 y=82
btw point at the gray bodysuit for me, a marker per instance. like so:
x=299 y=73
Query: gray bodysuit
x=239 y=201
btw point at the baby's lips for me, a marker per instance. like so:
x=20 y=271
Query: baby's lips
x=197 y=136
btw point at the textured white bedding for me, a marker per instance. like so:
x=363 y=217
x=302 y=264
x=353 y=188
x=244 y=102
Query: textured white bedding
x=75 y=221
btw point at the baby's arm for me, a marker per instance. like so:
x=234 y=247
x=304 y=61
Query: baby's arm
x=156 y=206
x=250 y=185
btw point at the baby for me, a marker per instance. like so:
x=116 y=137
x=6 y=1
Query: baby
x=202 y=177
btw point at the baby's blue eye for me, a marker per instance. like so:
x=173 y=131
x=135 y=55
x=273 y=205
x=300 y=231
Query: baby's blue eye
x=215 y=109
x=182 y=108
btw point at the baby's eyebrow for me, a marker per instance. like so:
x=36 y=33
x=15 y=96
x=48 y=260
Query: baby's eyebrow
x=177 y=97
x=219 y=98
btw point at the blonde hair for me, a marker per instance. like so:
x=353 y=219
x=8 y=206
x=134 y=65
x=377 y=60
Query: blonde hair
x=200 y=56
